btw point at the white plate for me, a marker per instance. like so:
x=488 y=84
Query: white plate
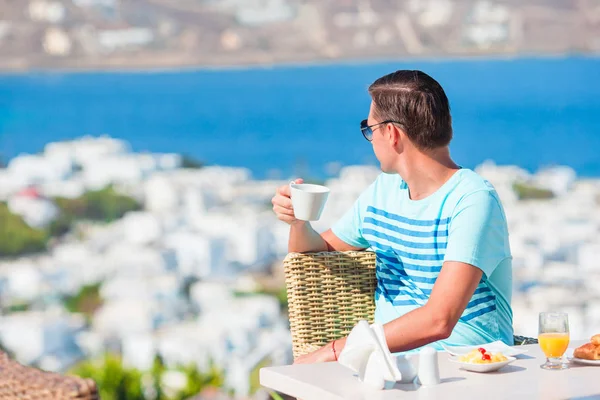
x=494 y=347
x=482 y=367
x=581 y=360
x=585 y=362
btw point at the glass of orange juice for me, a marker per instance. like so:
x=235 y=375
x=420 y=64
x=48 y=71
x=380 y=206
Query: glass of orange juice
x=554 y=338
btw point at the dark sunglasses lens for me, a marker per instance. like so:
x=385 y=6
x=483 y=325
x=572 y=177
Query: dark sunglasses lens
x=365 y=130
x=367 y=133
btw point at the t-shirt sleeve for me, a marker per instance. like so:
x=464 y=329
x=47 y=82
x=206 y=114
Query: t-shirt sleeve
x=349 y=228
x=478 y=233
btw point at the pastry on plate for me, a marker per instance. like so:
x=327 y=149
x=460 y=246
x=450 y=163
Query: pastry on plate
x=588 y=351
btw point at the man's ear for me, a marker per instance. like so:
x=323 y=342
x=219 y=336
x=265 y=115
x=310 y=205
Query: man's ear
x=396 y=137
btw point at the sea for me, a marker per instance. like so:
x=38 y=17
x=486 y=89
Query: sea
x=303 y=120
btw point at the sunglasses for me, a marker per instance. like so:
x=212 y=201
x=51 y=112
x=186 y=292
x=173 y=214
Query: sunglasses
x=367 y=130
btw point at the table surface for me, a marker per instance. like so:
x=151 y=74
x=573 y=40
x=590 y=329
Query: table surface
x=522 y=379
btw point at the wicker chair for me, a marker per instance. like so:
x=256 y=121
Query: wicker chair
x=328 y=293
x=20 y=382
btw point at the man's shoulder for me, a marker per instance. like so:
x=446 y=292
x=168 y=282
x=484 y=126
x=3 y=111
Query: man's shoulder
x=474 y=190
x=470 y=183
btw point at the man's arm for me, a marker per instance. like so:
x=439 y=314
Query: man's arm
x=304 y=239
x=434 y=321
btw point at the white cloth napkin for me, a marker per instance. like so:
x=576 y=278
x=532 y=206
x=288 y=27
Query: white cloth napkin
x=366 y=353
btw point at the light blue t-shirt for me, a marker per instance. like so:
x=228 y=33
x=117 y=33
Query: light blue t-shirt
x=462 y=221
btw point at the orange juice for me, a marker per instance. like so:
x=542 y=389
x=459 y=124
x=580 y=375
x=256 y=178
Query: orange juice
x=554 y=345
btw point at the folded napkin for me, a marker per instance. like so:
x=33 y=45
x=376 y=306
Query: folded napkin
x=366 y=353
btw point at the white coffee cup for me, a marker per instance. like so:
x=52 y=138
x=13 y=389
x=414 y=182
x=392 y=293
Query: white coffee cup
x=308 y=200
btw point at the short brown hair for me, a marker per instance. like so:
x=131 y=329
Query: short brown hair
x=417 y=103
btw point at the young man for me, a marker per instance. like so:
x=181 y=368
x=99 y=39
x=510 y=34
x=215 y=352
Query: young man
x=444 y=268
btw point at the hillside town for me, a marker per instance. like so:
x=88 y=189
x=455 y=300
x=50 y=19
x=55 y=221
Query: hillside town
x=191 y=275
x=118 y=34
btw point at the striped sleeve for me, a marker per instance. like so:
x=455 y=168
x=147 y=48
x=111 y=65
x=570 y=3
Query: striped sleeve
x=350 y=227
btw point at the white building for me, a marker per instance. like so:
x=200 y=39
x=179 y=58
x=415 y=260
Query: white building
x=165 y=289
x=207 y=296
x=23 y=280
x=95 y=3
x=256 y=13
x=5 y=28
x=36 y=211
x=248 y=233
x=86 y=149
x=127 y=259
x=559 y=180
x=10 y=184
x=120 y=169
x=118 y=39
x=141 y=228
x=69 y=189
x=125 y=317
x=125 y=169
x=57 y=42
x=46 y=11
x=33 y=335
x=160 y=194
x=32 y=170
x=139 y=351
x=198 y=255
x=81 y=264
x=432 y=13
x=488 y=25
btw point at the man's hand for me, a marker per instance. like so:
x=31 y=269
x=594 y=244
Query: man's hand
x=324 y=354
x=282 y=204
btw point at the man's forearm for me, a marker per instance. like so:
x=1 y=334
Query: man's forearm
x=413 y=330
x=304 y=239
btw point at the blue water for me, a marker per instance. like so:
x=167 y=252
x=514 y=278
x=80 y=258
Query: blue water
x=295 y=120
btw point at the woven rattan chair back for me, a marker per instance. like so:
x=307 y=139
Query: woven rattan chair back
x=20 y=382
x=328 y=293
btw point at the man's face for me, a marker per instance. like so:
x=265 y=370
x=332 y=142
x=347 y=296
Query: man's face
x=382 y=143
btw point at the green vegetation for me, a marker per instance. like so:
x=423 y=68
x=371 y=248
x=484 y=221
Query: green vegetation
x=255 y=375
x=18 y=238
x=529 y=192
x=17 y=307
x=188 y=161
x=275 y=395
x=116 y=382
x=104 y=205
x=86 y=301
x=198 y=381
x=279 y=293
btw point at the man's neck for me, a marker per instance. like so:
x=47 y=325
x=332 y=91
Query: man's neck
x=425 y=173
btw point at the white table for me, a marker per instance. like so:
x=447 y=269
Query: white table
x=523 y=379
